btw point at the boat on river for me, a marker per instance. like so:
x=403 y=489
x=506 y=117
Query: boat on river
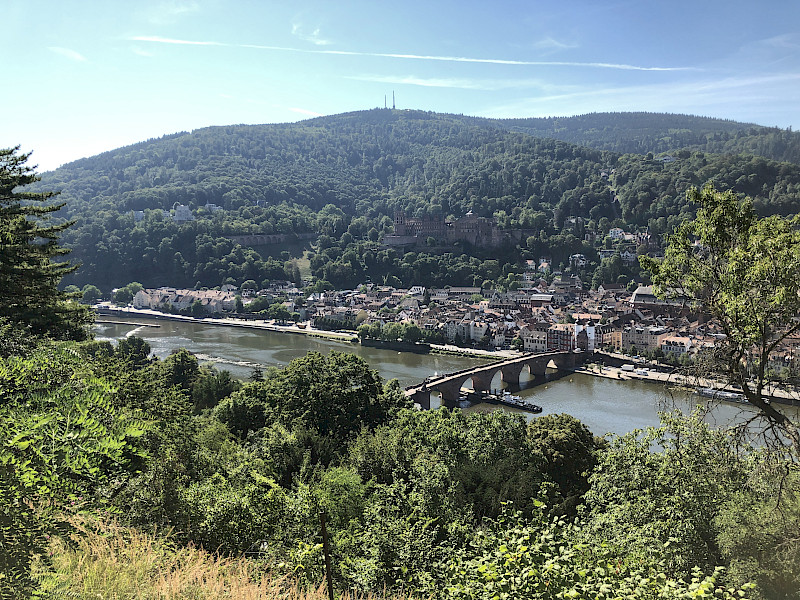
x=504 y=398
x=716 y=394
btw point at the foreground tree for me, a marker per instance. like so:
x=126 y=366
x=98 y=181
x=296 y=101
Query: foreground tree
x=29 y=269
x=333 y=395
x=745 y=272
x=543 y=558
x=63 y=439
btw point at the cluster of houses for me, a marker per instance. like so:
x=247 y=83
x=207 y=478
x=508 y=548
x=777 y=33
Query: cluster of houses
x=542 y=317
x=172 y=299
x=546 y=317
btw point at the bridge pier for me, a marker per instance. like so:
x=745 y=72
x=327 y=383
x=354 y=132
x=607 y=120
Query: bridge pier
x=450 y=403
x=450 y=392
x=423 y=398
x=511 y=375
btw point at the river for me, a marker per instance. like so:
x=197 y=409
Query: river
x=604 y=405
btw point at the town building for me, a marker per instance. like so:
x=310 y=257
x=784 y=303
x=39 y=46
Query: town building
x=585 y=337
x=212 y=301
x=482 y=232
x=642 y=338
x=561 y=337
x=534 y=337
x=675 y=344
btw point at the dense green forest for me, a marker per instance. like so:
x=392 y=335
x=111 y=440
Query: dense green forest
x=343 y=177
x=654 y=132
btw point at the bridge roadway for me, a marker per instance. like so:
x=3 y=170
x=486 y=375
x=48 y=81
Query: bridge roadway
x=449 y=386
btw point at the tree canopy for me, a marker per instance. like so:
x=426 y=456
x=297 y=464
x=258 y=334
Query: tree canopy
x=745 y=272
x=29 y=251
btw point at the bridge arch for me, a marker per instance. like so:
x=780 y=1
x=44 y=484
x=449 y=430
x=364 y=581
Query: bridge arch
x=435 y=399
x=468 y=383
x=497 y=381
x=526 y=375
x=504 y=376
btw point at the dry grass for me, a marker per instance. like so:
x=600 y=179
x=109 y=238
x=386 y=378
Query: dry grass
x=110 y=562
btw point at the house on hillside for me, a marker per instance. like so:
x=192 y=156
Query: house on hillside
x=616 y=233
x=183 y=214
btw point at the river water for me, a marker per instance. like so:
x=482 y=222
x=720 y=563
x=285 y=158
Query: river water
x=604 y=405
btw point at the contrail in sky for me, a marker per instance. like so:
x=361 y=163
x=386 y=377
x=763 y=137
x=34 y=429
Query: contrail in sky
x=462 y=59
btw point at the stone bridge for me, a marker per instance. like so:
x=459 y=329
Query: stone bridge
x=449 y=386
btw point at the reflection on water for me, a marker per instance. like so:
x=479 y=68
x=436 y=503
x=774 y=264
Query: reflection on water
x=604 y=405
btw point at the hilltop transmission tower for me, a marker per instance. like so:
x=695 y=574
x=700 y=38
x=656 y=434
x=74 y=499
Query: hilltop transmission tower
x=393 y=107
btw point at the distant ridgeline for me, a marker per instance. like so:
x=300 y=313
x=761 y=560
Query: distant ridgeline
x=654 y=132
x=489 y=193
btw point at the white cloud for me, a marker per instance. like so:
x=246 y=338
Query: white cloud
x=68 y=53
x=549 y=43
x=162 y=40
x=733 y=97
x=788 y=40
x=141 y=52
x=500 y=61
x=315 y=37
x=168 y=12
x=466 y=84
x=775 y=52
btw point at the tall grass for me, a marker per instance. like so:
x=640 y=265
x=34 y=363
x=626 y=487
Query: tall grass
x=110 y=562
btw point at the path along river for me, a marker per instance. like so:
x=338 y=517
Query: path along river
x=604 y=405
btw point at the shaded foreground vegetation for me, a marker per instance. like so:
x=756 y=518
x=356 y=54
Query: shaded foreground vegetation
x=439 y=503
x=105 y=560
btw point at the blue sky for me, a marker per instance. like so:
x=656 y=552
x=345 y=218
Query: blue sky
x=84 y=77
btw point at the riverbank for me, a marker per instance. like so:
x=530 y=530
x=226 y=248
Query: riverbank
x=294 y=328
x=678 y=380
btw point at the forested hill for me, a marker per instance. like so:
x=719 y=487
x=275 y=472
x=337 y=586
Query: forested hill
x=344 y=160
x=640 y=132
x=344 y=176
x=341 y=176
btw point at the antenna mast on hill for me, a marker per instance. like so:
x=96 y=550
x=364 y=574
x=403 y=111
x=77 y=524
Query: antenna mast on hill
x=384 y=102
x=393 y=100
